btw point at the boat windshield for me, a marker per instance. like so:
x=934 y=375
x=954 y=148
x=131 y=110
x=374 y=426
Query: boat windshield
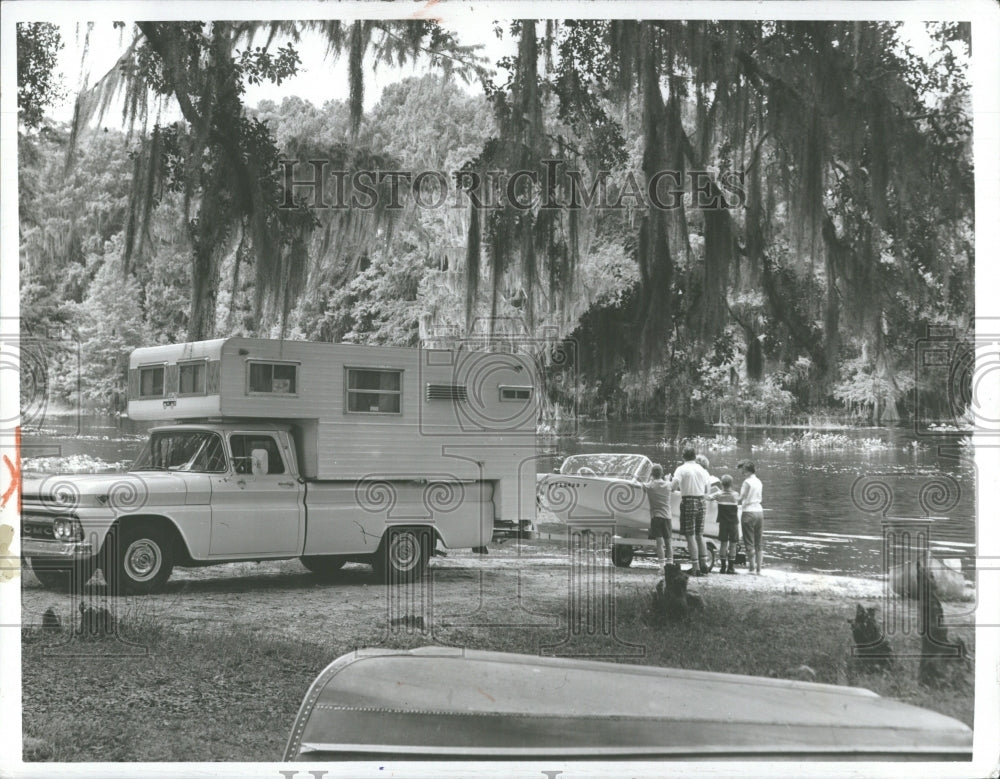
x=611 y=466
x=182 y=450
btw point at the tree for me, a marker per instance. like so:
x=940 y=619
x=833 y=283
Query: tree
x=224 y=160
x=38 y=45
x=846 y=139
x=110 y=325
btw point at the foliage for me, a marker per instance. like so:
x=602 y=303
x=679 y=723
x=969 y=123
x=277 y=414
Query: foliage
x=852 y=231
x=843 y=181
x=866 y=389
x=38 y=45
x=110 y=326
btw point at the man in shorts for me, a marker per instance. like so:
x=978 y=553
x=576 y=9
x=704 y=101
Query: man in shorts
x=658 y=491
x=692 y=481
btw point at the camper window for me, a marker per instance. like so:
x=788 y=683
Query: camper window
x=243 y=447
x=192 y=378
x=273 y=378
x=374 y=391
x=515 y=393
x=151 y=382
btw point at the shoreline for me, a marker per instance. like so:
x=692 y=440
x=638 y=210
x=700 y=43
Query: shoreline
x=780 y=580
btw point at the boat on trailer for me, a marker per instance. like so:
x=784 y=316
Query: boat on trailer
x=606 y=489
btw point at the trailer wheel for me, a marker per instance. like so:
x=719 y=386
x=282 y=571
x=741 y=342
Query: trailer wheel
x=324 y=566
x=403 y=554
x=711 y=556
x=621 y=555
x=138 y=560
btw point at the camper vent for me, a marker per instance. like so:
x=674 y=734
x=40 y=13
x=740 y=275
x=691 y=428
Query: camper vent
x=447 y=392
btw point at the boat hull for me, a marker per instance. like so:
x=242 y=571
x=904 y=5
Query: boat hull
x=440 y=702
x=597 y=500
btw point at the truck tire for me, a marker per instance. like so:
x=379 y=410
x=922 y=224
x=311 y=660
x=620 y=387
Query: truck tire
x=138 y=560
x=62 y=578
x=323 y=566
x=621 y=555
x=402 y=555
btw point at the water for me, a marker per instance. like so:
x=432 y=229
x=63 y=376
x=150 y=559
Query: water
x=813 y=522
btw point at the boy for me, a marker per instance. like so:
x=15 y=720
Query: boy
x=729 y=523
x=751 y=494
x=658 y=491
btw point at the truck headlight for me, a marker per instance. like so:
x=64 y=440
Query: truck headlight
x=65 y=529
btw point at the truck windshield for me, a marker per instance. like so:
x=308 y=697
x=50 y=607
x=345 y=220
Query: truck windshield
x=182 y=450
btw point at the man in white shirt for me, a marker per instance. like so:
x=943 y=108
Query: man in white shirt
x=692 y=481
x=751 y=495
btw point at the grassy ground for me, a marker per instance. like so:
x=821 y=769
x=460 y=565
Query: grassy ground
x=231 y=694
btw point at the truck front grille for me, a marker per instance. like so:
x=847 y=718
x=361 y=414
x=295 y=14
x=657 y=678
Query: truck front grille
x=36 y=527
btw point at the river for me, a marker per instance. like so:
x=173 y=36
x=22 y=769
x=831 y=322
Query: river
x=824 y=507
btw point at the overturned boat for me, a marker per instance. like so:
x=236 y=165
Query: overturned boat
x=451 y=703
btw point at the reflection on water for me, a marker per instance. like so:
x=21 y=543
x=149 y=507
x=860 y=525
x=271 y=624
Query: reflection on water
x=812 y=522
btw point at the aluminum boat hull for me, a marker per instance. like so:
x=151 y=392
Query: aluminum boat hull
x=441 y=702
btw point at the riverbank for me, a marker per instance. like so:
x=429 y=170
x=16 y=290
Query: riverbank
x=224 y=657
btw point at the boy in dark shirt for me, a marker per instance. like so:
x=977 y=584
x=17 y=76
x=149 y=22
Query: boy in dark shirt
x=729 y=523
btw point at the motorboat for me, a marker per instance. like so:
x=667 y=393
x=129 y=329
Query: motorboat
x=605 y=490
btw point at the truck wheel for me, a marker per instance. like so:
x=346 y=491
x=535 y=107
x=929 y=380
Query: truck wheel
x=621 y=555
x=138 y=559
x=62 y=578
x=403 y=554
x=323 y=566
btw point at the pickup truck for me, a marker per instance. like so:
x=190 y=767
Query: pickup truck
x=202 y=494
x=269 y=449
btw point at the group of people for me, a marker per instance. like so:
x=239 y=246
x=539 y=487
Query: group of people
x=696 y=486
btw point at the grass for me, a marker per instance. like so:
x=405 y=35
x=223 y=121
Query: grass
x=231 y=694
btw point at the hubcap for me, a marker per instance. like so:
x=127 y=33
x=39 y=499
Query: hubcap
x=404 y=551
x=142 y=560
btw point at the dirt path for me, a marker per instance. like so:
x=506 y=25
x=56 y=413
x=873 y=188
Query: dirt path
x=520 y=586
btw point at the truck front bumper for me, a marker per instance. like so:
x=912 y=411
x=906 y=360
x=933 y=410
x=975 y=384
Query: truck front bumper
x=56 y=550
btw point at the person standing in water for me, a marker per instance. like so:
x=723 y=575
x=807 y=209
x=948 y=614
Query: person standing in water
x=751 y=495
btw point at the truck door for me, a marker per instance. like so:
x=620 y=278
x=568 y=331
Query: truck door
x=257 y=507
